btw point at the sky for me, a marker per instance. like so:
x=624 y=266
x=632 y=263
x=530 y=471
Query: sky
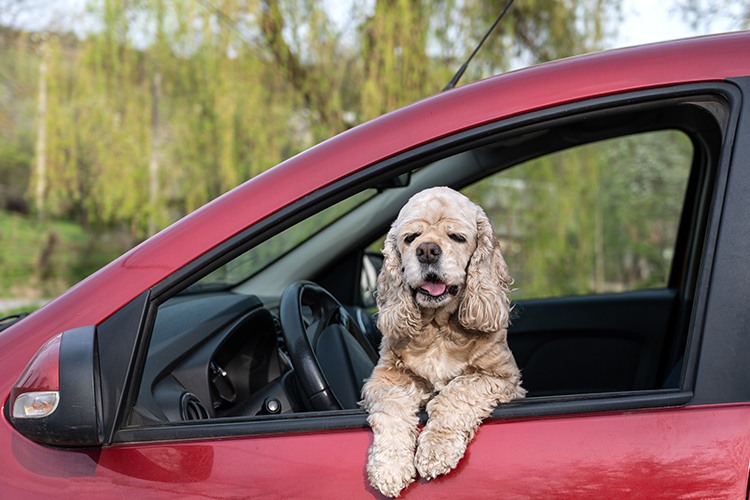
x=647 y=21
x=643 y=21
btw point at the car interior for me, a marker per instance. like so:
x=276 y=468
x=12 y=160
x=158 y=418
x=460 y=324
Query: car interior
x=286 y=324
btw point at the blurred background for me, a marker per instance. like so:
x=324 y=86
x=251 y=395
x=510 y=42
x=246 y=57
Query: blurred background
x=119 y=117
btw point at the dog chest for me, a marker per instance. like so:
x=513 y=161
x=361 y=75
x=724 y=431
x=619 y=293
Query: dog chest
x=438 y=361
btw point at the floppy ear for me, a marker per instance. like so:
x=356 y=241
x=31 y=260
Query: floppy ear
x=397 y=313
x=485 y=306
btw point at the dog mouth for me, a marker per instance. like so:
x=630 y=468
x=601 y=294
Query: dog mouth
x=434 y=288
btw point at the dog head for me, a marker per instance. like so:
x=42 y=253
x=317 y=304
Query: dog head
x=441 y=252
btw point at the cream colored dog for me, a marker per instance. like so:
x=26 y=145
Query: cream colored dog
x=442 y=295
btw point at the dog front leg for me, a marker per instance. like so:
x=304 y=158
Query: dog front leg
x=392 y=401
x=454 y=417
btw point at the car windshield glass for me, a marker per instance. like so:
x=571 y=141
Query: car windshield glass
x=249 y=263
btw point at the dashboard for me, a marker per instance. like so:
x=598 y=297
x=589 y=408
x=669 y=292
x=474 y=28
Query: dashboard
x=215 y=355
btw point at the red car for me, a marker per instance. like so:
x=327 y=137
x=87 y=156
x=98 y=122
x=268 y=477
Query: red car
x=618 y=184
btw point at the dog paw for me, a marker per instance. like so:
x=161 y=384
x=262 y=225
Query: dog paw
x=392 y=475
x=438 y=453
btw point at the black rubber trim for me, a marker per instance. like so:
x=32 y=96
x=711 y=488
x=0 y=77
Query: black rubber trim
x=357 y=419
x=117 y=339
x=696 y=332
x=592 y=403
x=722 y=315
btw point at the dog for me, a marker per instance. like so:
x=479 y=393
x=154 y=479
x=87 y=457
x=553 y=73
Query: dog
x=443 y=312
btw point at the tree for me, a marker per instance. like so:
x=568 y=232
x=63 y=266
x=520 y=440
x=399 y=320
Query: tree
x=18 y=96
x=170 y=104
x=41 y=135
x=408 y=49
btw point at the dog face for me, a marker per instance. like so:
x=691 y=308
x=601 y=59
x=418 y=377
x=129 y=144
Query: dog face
x=441 y=252
x=437 y=235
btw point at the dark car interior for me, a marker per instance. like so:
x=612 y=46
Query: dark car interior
x=297 y=333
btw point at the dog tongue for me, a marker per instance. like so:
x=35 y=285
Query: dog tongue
x=434 y=288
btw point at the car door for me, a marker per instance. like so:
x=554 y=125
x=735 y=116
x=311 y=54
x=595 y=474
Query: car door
x=603 y=417
x=606 y=415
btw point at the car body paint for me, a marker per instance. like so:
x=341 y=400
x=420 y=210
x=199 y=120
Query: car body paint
x=691 y=451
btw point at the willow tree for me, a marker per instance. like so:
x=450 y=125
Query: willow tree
x=394 y=49
x=306 y=48
x=404 y=50
x=97 y=129
x=161 y=110
x=231 y=113
x=168 y=104
x=19 y=85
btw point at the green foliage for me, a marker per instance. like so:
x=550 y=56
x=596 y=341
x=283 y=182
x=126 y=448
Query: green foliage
x=41 y=260
x=18 y=74
x=15 y=167
x=169 y=104
x=165 y=105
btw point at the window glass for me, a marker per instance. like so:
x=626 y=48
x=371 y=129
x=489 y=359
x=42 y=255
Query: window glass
x=249 y=263
x=593 y=219
x=216 y=352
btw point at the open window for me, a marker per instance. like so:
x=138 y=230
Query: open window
x=591 y=233
x=601 y=211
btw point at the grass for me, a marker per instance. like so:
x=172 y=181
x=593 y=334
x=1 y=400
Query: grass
x=43 y=259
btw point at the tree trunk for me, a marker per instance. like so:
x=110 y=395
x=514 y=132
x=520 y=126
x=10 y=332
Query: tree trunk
x=41 y=134
x=153 y=163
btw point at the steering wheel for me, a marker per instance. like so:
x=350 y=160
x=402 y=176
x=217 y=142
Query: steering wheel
x=329 y=353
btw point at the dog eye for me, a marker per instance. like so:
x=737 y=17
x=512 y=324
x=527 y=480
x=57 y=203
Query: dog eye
x=411 y=237
x=457 y=237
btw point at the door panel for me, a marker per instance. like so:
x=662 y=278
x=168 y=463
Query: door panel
x=595 y=343
x=696 y=452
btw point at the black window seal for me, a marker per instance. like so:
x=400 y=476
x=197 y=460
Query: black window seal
x=357 y=419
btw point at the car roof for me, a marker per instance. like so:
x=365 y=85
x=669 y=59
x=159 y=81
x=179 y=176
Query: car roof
x=691 y=60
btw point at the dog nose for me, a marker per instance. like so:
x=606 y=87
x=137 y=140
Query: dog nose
x=428 y=253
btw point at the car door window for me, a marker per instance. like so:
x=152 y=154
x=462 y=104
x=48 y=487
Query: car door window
x=600 y=222
x=579 y=227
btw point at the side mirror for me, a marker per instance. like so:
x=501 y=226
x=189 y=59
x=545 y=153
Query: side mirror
x=57 y=399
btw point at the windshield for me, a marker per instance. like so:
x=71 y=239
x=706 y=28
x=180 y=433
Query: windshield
x=256 y=259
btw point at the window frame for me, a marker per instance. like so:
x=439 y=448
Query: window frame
x=699 y=271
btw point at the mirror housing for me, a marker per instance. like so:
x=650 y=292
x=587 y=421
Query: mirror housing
x=57 y=399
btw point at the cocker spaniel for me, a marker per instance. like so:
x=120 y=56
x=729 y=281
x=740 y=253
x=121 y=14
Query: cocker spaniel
x=442 y=296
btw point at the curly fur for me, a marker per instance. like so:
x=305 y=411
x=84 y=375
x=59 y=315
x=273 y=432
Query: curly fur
x=443 y=312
